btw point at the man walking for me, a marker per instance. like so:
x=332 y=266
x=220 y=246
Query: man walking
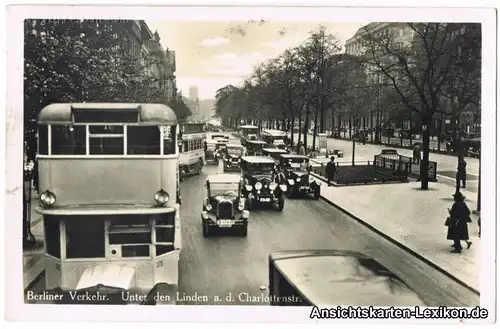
x=461 y=172
x=331 y=170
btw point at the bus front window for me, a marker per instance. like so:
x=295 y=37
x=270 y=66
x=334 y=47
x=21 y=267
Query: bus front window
x=169 y=140
x=106 y=140
x=68 y=140
x=143 y=140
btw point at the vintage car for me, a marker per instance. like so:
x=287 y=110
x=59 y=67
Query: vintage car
x=232 y=157
x=224 y=207
x=296 y=171
x=327 y=278
x=254 y=147
x=214 y=151
x=262 y=182
x=274 y=153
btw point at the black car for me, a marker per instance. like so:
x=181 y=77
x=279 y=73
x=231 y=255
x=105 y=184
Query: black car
x=296 y=171
x=274 y=153
x=262 y=182
x=224 y=206
x=232 y=157
x=255 y=147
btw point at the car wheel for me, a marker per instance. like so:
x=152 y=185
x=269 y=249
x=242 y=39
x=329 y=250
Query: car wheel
x=281 y=203
x=243 y=230
x=206 y=231
x=317 y=193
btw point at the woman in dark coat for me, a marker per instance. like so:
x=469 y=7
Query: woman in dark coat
x=459 y=218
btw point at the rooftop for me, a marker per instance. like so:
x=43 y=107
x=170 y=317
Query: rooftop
x=258 y=159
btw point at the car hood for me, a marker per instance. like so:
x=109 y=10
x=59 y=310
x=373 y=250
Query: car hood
x=221 y=198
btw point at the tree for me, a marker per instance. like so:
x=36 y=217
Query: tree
x=84 y=61
x=418 y=65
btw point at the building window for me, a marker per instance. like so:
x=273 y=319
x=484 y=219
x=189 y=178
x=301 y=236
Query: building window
x=68 y=140
x=85 y=237
x=106 y=140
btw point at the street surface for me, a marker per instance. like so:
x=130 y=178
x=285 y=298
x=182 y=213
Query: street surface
x=220 y=265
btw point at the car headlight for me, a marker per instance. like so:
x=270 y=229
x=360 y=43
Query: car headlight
x=241 y=205
x=161 y=197
x=48 y=198
x=298 y=179
x=273 y=186
x=283 y=187
x=291 y=182
x=258 y=185
x=208 y=207
x=248 y=188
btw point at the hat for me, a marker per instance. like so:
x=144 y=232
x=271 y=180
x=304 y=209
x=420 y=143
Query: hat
x=459 y=195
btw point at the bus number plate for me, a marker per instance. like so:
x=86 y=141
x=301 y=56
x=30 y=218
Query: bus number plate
x=159 y=264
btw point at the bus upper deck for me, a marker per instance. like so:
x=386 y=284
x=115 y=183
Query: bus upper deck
x=121 y=153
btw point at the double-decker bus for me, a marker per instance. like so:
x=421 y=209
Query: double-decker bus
x=192 y=152
x=274 y=138
x=109 y=184
x=248 y=132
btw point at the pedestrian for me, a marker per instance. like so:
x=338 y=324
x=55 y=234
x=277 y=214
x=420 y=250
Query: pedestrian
x=457 y=223
x=461 y=172
x=302 y=150
x=331 y=170
x=416 y=154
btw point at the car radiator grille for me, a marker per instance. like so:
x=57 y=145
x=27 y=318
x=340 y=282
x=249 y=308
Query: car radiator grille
x=225 y=209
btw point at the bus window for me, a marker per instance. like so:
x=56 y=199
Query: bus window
x=132 y=233
x=43 y=140
x=169 y=138
x=185 y=146
x=106 y=140
x=68 y=140
x=143 y=140
x=164 y=226
x=84 y=237
x=52 y=235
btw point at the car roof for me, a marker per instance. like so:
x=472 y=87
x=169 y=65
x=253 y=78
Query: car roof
x=274 y=150
x=257 y=159
x=293 y=156
x=325 y=278
x=256 y=142
x=248 y=126
x=274 y=132
x=224 y=178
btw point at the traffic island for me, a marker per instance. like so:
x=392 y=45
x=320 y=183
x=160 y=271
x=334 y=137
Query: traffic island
x=380 y=171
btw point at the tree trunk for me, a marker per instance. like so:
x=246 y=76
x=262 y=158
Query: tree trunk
x=291 y=126
x=424 y=164
x=411 y=128
x=306 y=125
x=350 y=127
x=353 y=144
x=478 y=206
x=339 y=126
x=299 y=139
x=315 y=131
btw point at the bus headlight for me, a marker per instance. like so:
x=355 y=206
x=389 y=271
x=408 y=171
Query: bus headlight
x=161 y=197
x=258 y=185
x=208 y=207
x=249 y=188
x=283 y=187
x=48 y=198
x=273 y=186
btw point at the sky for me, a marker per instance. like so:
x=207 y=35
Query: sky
x=213 y=54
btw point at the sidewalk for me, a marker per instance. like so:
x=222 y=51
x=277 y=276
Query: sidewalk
x=414 y=219
x=33 y=261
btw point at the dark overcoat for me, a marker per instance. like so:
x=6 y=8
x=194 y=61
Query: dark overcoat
x=460 y=216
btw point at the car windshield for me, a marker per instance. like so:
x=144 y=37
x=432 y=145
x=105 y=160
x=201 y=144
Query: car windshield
x=234 y=150
x=217 y=189
x=296 y=164
x=278 y=140
x=221 y=147
x=257 y=147
x=260 y=168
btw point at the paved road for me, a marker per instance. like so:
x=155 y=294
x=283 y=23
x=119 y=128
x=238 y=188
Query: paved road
x=223 y=265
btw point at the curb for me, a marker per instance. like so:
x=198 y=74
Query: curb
x=400 y=245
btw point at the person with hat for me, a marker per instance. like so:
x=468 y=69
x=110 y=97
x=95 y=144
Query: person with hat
x=331 y=170
x=457 y=223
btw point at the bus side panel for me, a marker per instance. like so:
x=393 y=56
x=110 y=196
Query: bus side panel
x=104 y=181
